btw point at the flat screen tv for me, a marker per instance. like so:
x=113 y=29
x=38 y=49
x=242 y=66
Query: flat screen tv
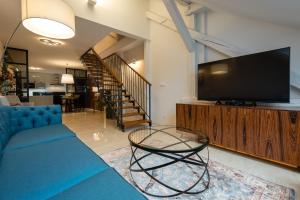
x=261 y=77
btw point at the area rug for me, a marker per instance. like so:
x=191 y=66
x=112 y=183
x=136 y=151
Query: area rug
x=225 y=183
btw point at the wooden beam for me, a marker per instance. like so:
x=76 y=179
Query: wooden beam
x=180 y=25
x=210 y=41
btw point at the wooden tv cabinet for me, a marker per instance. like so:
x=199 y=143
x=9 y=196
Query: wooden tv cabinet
x=264 y=132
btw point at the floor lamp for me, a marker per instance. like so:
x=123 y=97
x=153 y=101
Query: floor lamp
x=49 y=18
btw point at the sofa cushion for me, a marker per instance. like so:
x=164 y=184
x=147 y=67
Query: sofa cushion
x=5 y=127
x=106 y=185
x=38 y=136
x=28 y=117
x=41 y=171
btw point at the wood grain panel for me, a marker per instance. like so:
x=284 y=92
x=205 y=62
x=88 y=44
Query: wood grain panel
x=289 y=139
x=180 y=116
x=228 y=121
x=215 y=125
x=271 y=134
x=245 y=130
x=201 y=122
x=188 y=117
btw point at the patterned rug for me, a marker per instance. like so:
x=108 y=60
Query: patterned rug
x=225 y=183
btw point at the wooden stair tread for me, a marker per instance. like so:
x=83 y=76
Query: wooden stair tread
x=128 y=107
x=109 y=81
x=110 y=84
x=113 y=89
x=124 y=95
x=123 y=100
x=101 y=76
x=132 y=114
x=128 y=124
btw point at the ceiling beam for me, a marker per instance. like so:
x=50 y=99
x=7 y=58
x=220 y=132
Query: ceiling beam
x=195 y=9
x=180 y=25
x=210 y=41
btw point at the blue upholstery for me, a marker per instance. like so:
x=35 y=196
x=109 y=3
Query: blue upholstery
x=5 y=125
x=38 y=136
x=41 y=158
x=106 y=185
x=41 y=171
x=28 y=117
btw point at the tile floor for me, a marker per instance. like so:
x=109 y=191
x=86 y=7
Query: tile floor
x=91 y=129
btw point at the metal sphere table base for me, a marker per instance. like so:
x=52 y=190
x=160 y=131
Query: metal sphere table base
x=189 y=156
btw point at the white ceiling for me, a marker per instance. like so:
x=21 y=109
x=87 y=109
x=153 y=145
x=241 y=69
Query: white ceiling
x=87 y=35
x=283 y=12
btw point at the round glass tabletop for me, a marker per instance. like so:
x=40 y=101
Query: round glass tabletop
x=166 y=139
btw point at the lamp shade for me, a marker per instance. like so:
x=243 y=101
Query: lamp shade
x=67 y=79
x=49 y=18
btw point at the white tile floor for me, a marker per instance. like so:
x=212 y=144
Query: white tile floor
x=89 y=127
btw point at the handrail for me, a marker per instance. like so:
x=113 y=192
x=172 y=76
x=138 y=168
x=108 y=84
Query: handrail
x=127 y=80
x=115 y=54
x=95 y=53
x=135 y=84
x=111 y=93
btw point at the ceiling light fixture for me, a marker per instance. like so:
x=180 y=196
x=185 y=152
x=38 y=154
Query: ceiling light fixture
x=50 y=42
x=49 y=18
x=35 y=68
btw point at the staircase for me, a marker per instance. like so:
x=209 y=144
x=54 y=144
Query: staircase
x=123 y=90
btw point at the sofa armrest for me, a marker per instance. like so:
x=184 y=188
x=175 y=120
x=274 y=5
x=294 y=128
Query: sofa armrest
x=27 y=117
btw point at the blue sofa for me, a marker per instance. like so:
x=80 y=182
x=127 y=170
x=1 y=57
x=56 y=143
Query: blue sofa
x=40 y=158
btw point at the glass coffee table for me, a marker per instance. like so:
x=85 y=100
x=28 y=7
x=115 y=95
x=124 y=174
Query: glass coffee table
x=166 y=163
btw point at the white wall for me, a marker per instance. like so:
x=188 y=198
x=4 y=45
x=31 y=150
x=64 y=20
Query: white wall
x=116 y=47
x=135 y=58
x=105 y=43
x=172 y=66
x=125 y=16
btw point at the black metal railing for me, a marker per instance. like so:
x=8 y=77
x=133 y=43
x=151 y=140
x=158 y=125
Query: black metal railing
x=135 y=84
x=110 y=88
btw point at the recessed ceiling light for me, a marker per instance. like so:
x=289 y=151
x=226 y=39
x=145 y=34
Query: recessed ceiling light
x=50 y=42
x=35 y=68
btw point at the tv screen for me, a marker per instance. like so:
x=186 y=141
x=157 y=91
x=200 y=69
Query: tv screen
x=258 y=77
